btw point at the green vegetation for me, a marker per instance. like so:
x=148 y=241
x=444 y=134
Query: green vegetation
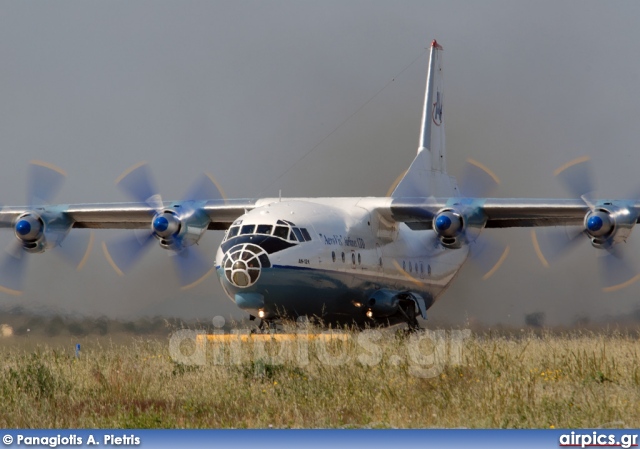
x=505 y=381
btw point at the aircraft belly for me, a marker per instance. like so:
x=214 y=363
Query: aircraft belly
x=296 y=291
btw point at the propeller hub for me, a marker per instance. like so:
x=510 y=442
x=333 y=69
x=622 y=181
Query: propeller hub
x=29 y=228
x=166 y=225
x=599 y=223
x=160 y=224
x=594 y=224
x=23 y=227
x=443 y=223
x=447 y=224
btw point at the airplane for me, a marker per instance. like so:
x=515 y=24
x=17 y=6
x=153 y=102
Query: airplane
x=365 y=261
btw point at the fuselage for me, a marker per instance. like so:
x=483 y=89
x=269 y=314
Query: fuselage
x=326 y=257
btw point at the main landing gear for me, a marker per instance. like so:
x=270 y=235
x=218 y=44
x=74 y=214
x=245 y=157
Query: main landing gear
x=407 y=308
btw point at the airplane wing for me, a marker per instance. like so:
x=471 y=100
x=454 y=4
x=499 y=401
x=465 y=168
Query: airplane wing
x=177 y=225
x=221 y=213
x=458 y=222
x=419 y=213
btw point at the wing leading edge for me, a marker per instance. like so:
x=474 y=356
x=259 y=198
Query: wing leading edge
x=498 y=212
x=132 y=215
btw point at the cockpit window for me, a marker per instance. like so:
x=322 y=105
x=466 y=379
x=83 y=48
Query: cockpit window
x=306 y=235
x=247 y=229
x=233 y=231
x=282 y=232
x=264 y=229
x=298 y=234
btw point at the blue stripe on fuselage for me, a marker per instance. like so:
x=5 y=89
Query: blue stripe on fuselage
x=297 y=290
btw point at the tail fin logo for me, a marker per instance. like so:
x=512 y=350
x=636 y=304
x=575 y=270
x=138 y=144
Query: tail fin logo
x=437 y=110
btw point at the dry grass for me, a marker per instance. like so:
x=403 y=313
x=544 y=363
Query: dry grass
x=540 y=381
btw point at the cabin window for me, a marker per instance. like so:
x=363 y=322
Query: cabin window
x=333 y=256
x=410 y=268
x=421 y=268
x=264 y=229
x=282 y=232
x=305 y=234
x=404 y=266
x=233 y=231
x=359 y=260
x=342 y=257
x=380 y=261
x=353 y=258
x=429 y=270
x=247 y=229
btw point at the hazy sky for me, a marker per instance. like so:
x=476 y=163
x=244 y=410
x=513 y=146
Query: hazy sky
x=244 y=90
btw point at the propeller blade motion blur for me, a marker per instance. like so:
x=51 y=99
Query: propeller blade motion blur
x=606 y=223
x=40 y=226
x=176 y=225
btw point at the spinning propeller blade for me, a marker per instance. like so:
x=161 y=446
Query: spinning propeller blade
x=13 y=265
x=488 y=254
x=600 y=225
x=477 y=181
x=137 y=182
x=44 y=182
x=462 y=221
x=192 y=266
x=577 y=177
x=125 y=252
x=615 y=270
x=46 y=228
x=166 y=224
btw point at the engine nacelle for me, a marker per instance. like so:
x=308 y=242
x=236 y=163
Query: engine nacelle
x=29 y=230
x=608 y=224
x=383 y=303
x=176 y=229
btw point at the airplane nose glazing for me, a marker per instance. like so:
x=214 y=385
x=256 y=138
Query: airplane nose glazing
x=243 y=264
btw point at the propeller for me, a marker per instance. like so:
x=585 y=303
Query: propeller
x=178 y=226
x=606 y=224
x=40 y=227
x=462 y=220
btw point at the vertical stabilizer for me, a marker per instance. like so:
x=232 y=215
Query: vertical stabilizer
x=426 y=175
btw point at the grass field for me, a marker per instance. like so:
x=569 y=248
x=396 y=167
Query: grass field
x=525 y=380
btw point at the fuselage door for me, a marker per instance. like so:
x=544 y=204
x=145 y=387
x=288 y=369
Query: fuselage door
x=379 y=263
